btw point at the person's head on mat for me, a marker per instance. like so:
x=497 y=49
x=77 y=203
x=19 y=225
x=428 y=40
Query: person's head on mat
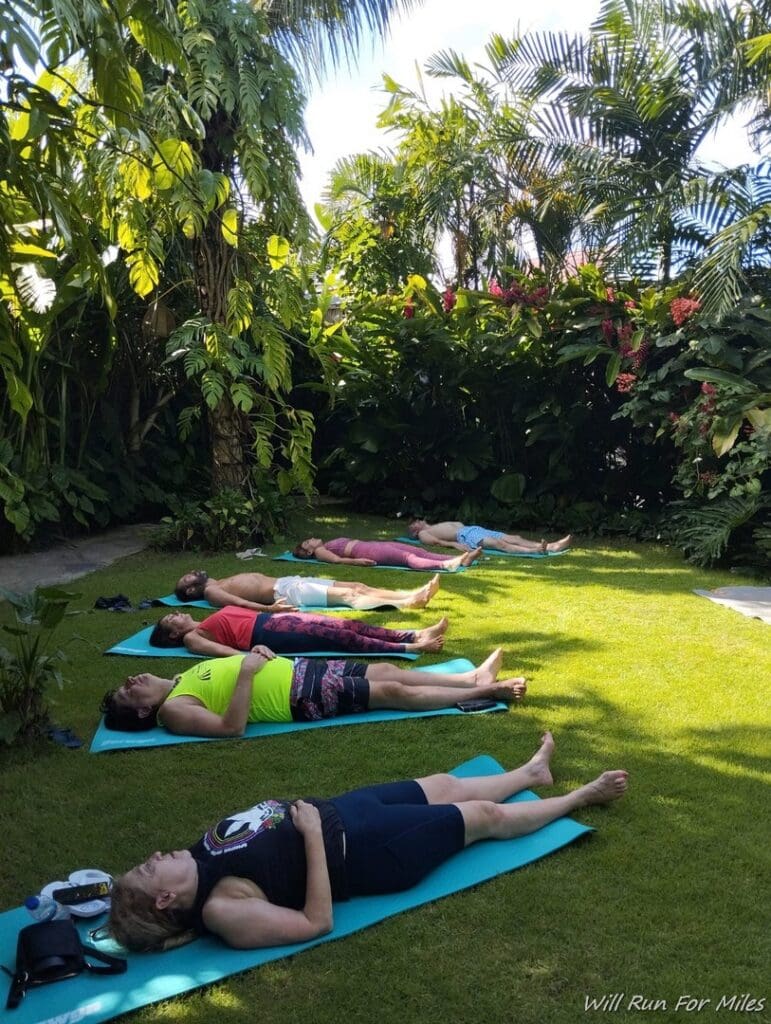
x=191 y=586
x=416 y=526
x=170 y=631
x=306 y=548
x=221 y=697
x=269 y=875
x=133 y=706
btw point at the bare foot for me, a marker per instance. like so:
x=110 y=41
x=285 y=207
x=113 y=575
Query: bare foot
x=470 y=556
x=488 y=671
x=608 y=786
x=560 y=545
x=424 y=595
x=432 y=643
x=438 y=629
x=538 y=765
x=510 y=690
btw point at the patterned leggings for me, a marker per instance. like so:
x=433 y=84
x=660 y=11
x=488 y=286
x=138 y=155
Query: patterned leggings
x=297 y=632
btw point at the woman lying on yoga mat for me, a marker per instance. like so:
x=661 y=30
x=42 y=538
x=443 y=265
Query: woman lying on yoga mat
x=466 y=538
x=233 y=630
x=270 y=874
x=218 y=698
x=380 y=552
x=263 y=593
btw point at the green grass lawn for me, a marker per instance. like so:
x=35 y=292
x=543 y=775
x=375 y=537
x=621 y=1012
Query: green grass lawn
x=628 y=669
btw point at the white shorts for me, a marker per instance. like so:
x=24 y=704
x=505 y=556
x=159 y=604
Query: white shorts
x=310 y=591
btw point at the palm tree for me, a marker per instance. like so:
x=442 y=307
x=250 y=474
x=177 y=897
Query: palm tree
x=625 y=110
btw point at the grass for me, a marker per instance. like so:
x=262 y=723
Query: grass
x=626 y=666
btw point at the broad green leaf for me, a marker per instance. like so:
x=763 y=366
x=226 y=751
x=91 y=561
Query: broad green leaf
x=230 y=227
x=173 y=161
x=720 y=377
x=723 y=441
x=143 y=272
x=611 y=372
x=36 y=251
x=278 y=251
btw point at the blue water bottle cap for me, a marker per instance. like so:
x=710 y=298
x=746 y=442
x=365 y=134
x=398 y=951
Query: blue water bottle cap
x=32 y=902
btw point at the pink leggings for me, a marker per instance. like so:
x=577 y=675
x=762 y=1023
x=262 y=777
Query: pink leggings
x=393 y=552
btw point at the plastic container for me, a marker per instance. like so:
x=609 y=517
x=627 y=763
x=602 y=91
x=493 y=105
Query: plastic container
x=44 y=908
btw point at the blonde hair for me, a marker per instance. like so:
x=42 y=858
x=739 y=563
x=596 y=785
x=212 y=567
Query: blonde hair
x=138 y=925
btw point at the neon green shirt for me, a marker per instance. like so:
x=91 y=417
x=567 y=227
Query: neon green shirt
x=213 y=683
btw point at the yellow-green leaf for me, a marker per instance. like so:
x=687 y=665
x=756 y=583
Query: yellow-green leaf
x=230 y=227
x=28 y=249
x=723 y=443
x=174 y=160
x=416 y=283
x=278 y=251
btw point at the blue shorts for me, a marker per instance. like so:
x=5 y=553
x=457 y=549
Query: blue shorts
x=474 y=535
x=393 y=838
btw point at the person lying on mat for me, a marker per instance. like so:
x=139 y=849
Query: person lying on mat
x=286 y=593
x=232 y=630
x=218 y=698
x=270 y=874
x=466 y=538
x=380 y=552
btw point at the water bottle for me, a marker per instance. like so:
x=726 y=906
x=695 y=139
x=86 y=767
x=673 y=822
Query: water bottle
x=45 y=908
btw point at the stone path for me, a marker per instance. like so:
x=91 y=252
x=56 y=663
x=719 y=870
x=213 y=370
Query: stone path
x=73 y=559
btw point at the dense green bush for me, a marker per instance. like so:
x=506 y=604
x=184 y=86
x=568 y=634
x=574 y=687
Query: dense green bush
x=587 y=407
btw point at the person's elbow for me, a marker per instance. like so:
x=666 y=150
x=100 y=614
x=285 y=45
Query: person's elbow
x=231 y=730
x=320 y=923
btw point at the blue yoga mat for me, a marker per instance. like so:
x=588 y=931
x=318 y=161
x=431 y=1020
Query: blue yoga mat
x=155 y=976
x=138 y=645
x=493 y=551
x=172 y=601
x=289 y=557
x=110 y=739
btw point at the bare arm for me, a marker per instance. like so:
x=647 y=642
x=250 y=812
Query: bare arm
x=426 y=537
x=250 y=923
x=188 y=719
x=199 y=644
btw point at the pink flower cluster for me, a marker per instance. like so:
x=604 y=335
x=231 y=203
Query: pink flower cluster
x=707 y=405
x=449 y=299
x=625 y=382
x=409 y=311
x=516 y=295
x=683 y=309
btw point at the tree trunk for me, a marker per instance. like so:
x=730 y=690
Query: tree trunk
x=213 y=272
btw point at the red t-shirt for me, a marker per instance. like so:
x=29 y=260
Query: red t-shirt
x=232 y=626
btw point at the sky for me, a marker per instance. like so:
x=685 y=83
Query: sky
x=342 y=112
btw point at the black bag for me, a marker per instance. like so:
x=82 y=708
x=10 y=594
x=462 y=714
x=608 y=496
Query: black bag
x=52 y=951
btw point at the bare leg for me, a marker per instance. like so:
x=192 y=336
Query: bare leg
x=505 y=544
x=486 y=820
x=362 y=597
x=486 y=674
x=396 y=696
x=447 y=789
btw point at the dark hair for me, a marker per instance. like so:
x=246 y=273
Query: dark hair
x=124 y=719
x=193 y=591
x=161 y=636
x=300 y=552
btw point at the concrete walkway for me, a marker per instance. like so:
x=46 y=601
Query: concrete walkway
x=75 y=558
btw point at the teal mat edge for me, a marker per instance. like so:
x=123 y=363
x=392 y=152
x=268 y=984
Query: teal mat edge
x=154 y=977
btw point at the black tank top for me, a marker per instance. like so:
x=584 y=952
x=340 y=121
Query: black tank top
x=262 y=844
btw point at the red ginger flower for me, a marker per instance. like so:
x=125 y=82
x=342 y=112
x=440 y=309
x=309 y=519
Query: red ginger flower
x=708 y=389
x=630 y=304
x=683 y=309
x=449 y=299
x=608 y=331
x=639 y=357
x=409 y=311
x=495 y=289
x=625 y=382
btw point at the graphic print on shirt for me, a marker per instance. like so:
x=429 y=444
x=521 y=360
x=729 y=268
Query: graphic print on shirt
x=235 y=832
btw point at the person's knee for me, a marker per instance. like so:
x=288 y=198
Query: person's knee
x=388 y=693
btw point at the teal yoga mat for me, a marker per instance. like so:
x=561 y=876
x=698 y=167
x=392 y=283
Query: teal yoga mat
x=138 y=646
x=172 y=601
x=110 y=739
x=154 y=976
x=492 y=551
x=289 y=557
